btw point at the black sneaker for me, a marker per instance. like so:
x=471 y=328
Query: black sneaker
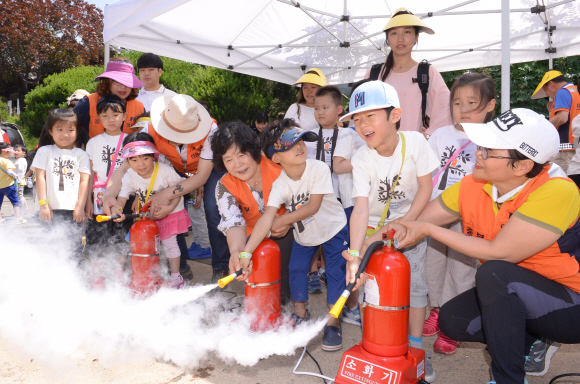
x=187 y=274
x=299 y=320
x=218 y=274
x=332 y=338
x=538 y=361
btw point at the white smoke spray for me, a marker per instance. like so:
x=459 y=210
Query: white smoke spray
x=48 y=313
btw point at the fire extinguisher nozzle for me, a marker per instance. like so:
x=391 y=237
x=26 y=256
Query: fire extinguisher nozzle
x=337 y=308
x=101 y=218
x=228 y=279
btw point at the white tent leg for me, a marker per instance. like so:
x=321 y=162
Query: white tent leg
x=505 y=55
x=107 y=53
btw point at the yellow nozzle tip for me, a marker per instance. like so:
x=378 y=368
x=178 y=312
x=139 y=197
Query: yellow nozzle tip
x=337 y=309
x=225 y=281
x=101 y=218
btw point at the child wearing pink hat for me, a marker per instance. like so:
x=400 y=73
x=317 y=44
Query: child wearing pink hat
x=119 y=79
x=145 y=178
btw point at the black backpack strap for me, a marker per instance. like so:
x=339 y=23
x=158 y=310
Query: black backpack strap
x=375 y=71
x=423 y=81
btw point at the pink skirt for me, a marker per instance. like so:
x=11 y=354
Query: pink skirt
x=173 y=224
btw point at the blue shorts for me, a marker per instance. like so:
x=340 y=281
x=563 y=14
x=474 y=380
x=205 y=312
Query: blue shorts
x=11 y=193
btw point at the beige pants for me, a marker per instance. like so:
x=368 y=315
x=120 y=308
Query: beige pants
x=448 y=272
x=563 y=159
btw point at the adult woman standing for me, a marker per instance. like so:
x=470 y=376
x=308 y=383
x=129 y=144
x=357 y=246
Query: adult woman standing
x=400 y=71
x=303 y=110
x=118 y=79
x=242 y=194
x=520 y=217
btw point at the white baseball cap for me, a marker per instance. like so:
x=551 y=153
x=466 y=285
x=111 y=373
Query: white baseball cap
x=524 y=130
x=372 y=95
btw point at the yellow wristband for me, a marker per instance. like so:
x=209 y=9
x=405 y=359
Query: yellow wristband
x=43 y=202
x=353 y=253
x=245 y=255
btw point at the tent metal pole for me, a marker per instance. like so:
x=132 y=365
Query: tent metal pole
x=505 y=55
x=344 y=22
x=107 y=53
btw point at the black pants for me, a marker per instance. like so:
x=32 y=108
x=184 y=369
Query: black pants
x=509 y=308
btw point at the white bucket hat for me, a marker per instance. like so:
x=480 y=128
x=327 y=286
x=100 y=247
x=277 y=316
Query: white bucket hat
x=524 y=130
x=180 y=119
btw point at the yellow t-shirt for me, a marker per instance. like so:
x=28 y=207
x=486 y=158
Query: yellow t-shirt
x=554 y=206
x=6 y=180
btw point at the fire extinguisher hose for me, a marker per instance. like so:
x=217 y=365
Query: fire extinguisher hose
x=337 y=308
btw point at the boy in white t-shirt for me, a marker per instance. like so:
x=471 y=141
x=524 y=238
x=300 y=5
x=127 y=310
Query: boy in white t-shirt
x=305 y=188
x=150 y=68
x=392 y=180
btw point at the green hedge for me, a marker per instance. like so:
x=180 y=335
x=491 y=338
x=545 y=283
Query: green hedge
x=231 y=96
x=53 y=93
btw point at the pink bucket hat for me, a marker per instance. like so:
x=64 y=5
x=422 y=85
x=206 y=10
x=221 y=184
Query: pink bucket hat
x=123 y=73
x=136 y=148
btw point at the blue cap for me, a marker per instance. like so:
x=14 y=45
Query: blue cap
x=288 y=138
x=372 y=95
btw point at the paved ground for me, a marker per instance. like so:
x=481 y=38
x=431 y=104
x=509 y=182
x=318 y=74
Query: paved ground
x=469 y=365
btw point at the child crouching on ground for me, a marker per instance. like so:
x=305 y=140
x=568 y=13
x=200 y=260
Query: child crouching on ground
x=146 y=177
x=305 y=188
x=392 y=180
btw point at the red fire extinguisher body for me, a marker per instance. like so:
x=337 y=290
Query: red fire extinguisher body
x=145 y=268
x=384 y=355
x=262 y=291
x=387 y=297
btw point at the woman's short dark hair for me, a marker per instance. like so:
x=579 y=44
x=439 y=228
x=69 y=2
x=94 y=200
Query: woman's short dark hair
x=516 y=156
x=273 y=131
x=233 y=133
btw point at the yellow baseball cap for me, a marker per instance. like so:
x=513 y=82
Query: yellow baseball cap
x=404 y=18
x=314 y=76
x=539 y=92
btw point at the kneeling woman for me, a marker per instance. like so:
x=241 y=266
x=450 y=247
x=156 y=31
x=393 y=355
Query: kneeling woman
x=520 y=219
x=247 y=184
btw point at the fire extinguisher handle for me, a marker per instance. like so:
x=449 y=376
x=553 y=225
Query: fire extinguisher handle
x=337 y=308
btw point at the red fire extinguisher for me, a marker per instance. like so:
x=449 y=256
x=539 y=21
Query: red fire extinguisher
x=384 y=354
x=262 y=291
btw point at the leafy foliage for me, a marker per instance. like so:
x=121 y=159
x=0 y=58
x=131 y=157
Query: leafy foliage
x=53 y=93
x=525 y=77
x=39 y=37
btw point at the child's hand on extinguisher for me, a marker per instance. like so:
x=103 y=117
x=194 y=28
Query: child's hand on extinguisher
x=352 y=268
x=246 y=265
x=117 y=211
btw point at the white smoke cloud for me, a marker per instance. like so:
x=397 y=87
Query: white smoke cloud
x=49 y=313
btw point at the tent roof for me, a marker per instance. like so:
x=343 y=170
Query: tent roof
x=278 y=39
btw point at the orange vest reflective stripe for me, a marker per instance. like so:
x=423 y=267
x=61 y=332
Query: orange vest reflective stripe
x=565 y=130
x=240 y=190
x=479 y=219
x=169 y=151
x=135 y=109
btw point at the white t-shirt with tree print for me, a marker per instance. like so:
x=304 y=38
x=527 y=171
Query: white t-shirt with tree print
x=101 y=150
x=134 y=184
x=374 y=175
x=330 y=218
x=63 y=174
x=444 y=142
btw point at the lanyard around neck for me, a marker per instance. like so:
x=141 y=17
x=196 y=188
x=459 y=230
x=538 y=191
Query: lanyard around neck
x=320 y=145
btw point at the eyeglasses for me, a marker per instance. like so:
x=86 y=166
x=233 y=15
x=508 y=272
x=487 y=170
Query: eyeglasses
x=485 y=155
x=117 y=84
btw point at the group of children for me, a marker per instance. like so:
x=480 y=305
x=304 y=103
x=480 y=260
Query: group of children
x=366 y=177
x=378 y=175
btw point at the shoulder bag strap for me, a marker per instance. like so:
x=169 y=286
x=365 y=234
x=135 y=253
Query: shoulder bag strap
x=319 y=146
x=114 y=161
x=455 y=154
x=403 y=151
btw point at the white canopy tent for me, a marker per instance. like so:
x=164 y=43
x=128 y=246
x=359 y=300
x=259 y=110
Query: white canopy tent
x=280 y=39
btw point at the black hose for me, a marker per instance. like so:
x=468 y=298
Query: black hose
x=365 y=260
x=563 y=375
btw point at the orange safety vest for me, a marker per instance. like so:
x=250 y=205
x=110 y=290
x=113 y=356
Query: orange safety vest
x=168 y=150
x=479 y=219
x=135 y=109
x=240 y=190
x=565 y=130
